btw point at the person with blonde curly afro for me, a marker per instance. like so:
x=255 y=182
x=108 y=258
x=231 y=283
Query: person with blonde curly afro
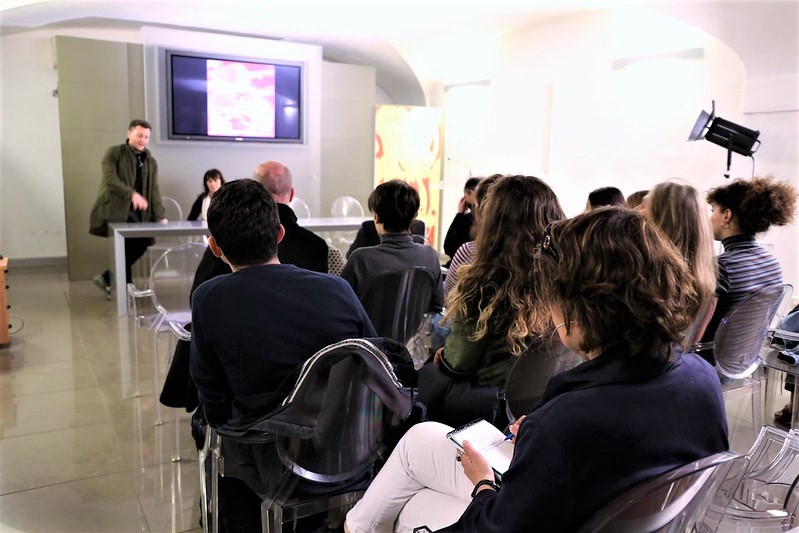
x=741 y=210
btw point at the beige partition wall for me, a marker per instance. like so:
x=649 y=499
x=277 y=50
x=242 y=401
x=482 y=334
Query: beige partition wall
x=100 y=88
x=348 y=132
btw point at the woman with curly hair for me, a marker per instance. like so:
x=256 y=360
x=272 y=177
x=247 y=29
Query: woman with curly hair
x=493 y=307
x=741 y=210
x=678 y=210
x=620 y=294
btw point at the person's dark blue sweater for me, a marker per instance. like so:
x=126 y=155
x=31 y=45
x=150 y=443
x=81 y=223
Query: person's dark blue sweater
x=604 y=427
x=253 y=328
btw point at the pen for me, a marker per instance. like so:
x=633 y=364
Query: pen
x=509 y=436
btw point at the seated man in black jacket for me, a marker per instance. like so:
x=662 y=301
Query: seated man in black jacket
x=299 y=246
x=253 y=328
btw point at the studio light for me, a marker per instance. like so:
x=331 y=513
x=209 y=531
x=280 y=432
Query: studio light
x=733 y=137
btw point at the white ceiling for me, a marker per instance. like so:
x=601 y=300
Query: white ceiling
x=762 y=32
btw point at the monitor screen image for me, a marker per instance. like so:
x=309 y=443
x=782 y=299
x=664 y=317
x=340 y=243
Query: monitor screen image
x=227 y=99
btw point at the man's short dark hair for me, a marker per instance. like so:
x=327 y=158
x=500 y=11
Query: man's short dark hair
x=139 y=122
x=244 y=221
x=606 y=196
x=471 y=184
x=396 y=204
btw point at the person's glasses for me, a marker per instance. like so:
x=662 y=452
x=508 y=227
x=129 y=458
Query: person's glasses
x=548 y=246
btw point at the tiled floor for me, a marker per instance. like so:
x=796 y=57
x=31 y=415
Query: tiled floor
x=80 y=452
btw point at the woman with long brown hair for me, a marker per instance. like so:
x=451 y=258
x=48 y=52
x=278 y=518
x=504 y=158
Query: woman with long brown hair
x=494 y=305
x=678 y=210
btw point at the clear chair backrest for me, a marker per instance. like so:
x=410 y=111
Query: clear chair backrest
x=332 y=426
x=674 y=501
x=346 y=206
x=348 y=435
x=765 y=450
x=300 y=208
x=172 y=210
x=766 y=499
x=397 y=301
x=172 y=276
x=741 y=333
x=528 y=378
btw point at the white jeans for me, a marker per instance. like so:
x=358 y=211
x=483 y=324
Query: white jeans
x=420 y=484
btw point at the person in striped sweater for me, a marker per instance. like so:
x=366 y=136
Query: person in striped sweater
x=740 y=210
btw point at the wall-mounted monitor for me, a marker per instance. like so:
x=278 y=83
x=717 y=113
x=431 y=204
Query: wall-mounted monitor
x=215 y=98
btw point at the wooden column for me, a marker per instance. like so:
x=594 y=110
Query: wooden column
x=3 y=302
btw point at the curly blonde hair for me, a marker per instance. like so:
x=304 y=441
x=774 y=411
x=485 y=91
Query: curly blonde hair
x=498 y=290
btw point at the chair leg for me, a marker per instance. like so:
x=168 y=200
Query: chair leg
x=757 y=409
x=216 y=445
x=202 y=456
x=176 y=422
x=272 y=518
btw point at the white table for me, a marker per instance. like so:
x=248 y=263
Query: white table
x=122 y=231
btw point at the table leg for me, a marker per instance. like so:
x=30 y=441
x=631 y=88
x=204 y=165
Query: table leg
x=118 y=274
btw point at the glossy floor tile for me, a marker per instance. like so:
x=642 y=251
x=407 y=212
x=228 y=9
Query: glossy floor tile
x=79 y=447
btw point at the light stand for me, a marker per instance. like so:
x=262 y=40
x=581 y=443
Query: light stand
x=733 y=137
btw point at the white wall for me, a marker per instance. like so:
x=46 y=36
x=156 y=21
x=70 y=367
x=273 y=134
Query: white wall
x=31 y=186
x=556 y=109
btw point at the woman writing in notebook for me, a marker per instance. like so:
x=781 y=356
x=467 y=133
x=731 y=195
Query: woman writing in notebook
x=620 y=294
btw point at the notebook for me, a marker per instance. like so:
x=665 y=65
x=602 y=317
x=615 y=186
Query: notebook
x=487 y=440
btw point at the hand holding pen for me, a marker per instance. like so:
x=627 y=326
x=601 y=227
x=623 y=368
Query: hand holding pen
x=513 y=429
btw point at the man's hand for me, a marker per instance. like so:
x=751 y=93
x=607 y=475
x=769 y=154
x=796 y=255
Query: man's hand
x=463 y=205
x=474 y=464
x=437 y=355
x=139 y=202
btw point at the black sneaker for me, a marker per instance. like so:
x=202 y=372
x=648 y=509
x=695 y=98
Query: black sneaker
x=100 y=283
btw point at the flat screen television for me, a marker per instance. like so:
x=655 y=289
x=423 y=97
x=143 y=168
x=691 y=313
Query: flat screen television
x=214 y=98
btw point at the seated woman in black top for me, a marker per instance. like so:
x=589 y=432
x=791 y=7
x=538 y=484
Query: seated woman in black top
x=212 y=180
x=620 y=294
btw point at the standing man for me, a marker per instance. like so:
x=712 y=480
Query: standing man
x=128 y=193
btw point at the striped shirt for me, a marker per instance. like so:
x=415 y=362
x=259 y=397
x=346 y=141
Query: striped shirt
x=464 y=256
x=744 y=267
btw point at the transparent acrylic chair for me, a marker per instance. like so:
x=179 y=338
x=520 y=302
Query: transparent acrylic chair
x=672 y=502
x=329 y=432
x=170 y=286
x=172 y=212
x=300 y=208
x=346 y=206
x=396 y=302
x=528 y=378
x=767 y=498
x=737 y=343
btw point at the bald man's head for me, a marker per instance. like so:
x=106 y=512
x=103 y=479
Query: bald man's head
x=276 y=177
